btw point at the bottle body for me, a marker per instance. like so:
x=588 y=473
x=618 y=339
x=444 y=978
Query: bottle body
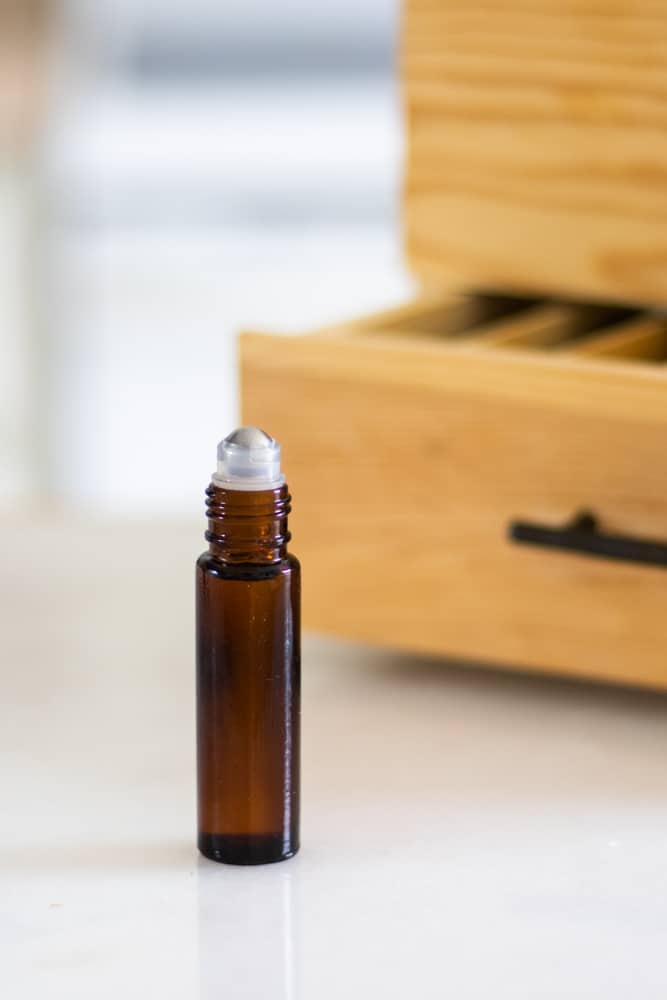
x=248 y=686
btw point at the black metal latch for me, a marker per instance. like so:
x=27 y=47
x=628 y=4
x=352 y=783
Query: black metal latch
x=582 y=534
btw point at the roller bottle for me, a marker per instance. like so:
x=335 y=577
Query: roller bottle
x=248 y=660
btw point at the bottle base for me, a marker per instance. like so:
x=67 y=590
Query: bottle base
x=241 y=849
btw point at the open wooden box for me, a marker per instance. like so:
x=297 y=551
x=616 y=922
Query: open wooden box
x=483 y=473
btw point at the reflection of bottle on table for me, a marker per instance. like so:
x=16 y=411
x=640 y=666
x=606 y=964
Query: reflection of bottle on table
x=249 y=939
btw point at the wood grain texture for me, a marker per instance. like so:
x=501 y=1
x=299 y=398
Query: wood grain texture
x=537 y=145
x=407 y=458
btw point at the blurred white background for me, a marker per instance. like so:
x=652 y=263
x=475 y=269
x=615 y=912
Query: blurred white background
x=196 y=168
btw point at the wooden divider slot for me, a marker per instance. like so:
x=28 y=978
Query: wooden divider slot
x=443 y=314
x=641 y=339
x=549 y=325
x=484 y=320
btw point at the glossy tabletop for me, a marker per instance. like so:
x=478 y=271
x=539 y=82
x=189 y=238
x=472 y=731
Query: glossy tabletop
x=466 y=833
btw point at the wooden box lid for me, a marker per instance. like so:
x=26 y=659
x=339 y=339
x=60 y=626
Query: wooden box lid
x=537 y=145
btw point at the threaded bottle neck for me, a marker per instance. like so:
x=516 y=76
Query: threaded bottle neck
x=248 y=526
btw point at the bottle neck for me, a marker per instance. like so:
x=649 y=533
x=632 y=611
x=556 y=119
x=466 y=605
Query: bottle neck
x=247 y=526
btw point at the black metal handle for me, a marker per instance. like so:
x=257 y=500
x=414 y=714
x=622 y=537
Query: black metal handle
x=582 y=534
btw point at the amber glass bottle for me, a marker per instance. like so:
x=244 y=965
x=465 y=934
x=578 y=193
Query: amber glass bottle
x=248 y=660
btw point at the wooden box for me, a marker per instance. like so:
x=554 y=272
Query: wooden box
x=483 y=474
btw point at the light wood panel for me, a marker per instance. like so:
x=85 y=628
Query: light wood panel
x=537 y=145
x=627 y=391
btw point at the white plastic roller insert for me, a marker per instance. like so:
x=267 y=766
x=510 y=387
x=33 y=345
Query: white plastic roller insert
x=248 y=459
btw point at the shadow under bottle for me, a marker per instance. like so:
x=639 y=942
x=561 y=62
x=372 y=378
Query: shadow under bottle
x=248 y=679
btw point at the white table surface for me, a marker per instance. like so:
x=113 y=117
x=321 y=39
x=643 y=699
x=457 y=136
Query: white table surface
x=466 y=834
